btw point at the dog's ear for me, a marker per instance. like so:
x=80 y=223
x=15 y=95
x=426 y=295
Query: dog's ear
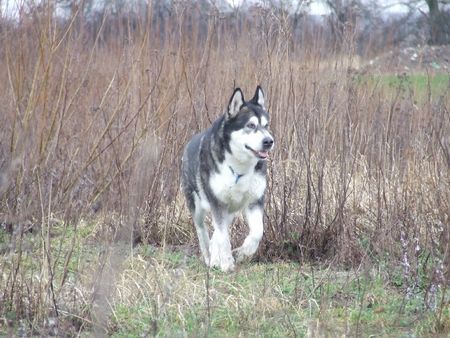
x=236 y=102
x=259 y=97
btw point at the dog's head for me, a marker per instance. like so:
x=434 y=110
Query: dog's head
x=247 y=125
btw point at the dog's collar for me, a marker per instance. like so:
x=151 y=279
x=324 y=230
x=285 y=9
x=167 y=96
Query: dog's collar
x=234 y=173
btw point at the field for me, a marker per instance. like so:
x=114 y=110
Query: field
x=95 y=238
x=167 y=291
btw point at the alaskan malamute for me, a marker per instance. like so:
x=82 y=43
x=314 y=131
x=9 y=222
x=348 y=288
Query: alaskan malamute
x=224 y=172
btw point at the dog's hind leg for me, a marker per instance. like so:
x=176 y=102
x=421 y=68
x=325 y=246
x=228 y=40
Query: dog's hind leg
x=220 y=246
x=202 y=232
x=254 y=216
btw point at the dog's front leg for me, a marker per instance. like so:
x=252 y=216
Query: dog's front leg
x=254 y=216
x=220 y=246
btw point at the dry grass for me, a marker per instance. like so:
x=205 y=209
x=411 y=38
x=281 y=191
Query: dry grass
x=95 y=116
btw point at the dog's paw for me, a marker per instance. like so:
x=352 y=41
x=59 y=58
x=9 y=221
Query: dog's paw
x=238 y=255
x=223 y=262
x=245 y=252
x=227 y=266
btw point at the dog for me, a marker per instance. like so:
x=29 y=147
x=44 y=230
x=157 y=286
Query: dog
x=224 y=172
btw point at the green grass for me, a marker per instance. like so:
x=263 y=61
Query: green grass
x=419 y=86
x=269 y=300
x=168 y=292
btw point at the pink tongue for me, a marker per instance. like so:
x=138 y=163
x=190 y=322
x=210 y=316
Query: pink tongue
x=262 y=154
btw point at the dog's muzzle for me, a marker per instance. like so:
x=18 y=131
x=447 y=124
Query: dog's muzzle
x=267 y=143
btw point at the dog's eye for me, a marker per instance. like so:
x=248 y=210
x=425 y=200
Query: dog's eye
x=251 y=125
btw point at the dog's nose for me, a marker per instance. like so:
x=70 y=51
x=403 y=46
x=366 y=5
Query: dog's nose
x=267 y=142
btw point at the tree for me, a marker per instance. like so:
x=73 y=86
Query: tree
x=439 y=22
x=354 y=20
x=437 y=17
x=343 y=15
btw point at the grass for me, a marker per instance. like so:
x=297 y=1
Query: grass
x=168 y=292
x=419 y=86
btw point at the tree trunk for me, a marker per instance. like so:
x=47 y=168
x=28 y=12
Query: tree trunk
x=438 y=23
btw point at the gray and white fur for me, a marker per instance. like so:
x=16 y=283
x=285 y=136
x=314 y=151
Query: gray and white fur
x=224 y=172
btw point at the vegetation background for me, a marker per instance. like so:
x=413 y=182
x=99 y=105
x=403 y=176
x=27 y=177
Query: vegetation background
x=95 y=109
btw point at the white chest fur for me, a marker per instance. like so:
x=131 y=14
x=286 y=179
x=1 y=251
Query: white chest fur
x=237 y=191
